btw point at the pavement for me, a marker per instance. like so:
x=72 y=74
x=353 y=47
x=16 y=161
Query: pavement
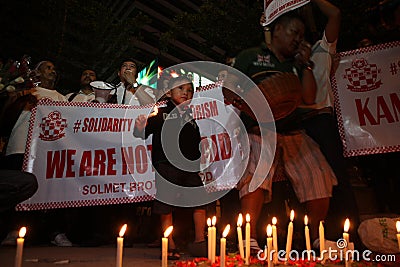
x=45 y=256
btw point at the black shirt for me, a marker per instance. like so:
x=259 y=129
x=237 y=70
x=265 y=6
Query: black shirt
x=176 y=136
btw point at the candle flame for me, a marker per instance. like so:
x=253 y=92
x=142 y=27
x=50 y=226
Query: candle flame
x=122 y=231
x=168 y=231
x=214 y=220
x=291 y=215
x=346 y=225
x=398 y=226
x=306 y=220
x=240 y=220
x=247 y=217
x=269 y=230
x=22 y=232
x=226 y=231
x=274 y=221
x=155 y=111
x=209 y=222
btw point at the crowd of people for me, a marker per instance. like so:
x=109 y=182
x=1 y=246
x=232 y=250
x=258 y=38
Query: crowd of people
x=309 y=155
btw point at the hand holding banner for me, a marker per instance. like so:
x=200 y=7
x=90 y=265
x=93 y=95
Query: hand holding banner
x=275 y=8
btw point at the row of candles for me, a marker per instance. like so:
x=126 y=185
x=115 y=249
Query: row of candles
x=272 y=239
x=272 y=243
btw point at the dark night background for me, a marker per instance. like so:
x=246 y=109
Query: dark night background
x=81 y=34
x=97 y=34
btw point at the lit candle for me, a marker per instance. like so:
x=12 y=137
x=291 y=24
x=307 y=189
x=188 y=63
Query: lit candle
x=321 y=240
x=347 y=239
x=275 y=239
x=223 y=246
x=20 y=247
x=239 y=233
x=164 y=247
x=289 y=235
x=155 y=112
x=213 y=238
x=120 y=245
x=398 y=233
x=269 y=245
x=209 y=237
x=307 y=234
x=247 y=236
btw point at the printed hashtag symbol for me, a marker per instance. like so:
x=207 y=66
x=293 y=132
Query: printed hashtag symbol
x=77 y=126
x=393 y=68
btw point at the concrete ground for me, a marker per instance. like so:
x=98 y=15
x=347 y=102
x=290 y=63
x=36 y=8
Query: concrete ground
x=137 y=256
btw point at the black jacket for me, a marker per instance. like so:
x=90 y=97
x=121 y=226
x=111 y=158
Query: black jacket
x=170 y=128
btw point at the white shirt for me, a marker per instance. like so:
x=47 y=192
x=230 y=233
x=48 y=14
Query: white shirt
x=19 y=134
x=41 y=92
x=322 y=53
x=81 y=97
x=130 y=98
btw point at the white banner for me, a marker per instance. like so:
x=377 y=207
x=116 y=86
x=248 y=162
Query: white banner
x=85 y=154
x=274 y=8
x=366 y=86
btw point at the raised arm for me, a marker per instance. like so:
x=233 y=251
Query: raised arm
x=332 y=13
x=307 y=77
x=309 y=87
x=145 y=95
x=140 y=125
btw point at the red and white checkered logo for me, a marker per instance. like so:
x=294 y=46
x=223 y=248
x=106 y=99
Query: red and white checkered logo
x=53 y=127
x=362 y=76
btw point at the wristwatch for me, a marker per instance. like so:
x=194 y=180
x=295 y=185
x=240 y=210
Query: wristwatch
x=309 y=65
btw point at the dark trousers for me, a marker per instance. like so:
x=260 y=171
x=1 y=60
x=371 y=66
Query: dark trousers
x=15 y=187
x=323 y=129
x=51 y=222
